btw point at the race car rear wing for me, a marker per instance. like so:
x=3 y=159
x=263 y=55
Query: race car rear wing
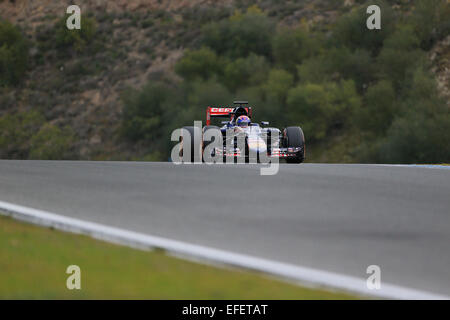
x=222 y=112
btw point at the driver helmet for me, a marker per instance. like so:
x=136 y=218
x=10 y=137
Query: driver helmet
x=243 y=121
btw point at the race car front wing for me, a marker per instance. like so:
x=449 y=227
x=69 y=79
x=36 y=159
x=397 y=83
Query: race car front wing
x=275 y=152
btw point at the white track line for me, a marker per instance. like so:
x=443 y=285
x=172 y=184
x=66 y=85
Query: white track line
x=426 y=166
x=300 y=274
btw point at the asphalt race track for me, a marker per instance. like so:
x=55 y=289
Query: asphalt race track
x=340 y=218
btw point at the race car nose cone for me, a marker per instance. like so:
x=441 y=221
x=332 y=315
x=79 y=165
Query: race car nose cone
x=257 y=146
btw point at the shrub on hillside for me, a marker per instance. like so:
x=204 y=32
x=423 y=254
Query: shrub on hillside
x=201 y=64
x=380 y=108
x=241 y=34
x=419 y=129
x=75 y=39
x=207 y=93
x=351 y=29
x=145 y=112
x=431 y=19
x=400 y=56
x=201 y=94
x=189 y=105
x=315 y=69
x=338 y=63
x=13 y=54
x=357 y=65
x=418 y=138
x=52 y=143
x=308 y=107
x=244 y=72
x=321 y=107
x=278 y=85
x=16 y=131
x=291 y=47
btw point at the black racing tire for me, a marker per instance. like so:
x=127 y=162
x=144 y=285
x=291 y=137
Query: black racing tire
x=294 y=138
x=192 y=135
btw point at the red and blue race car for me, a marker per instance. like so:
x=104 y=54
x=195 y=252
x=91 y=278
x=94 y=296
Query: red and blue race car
x=241 y=139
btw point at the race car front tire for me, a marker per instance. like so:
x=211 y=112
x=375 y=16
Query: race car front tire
x=294 y=138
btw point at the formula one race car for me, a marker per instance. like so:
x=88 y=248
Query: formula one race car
x=242 y=139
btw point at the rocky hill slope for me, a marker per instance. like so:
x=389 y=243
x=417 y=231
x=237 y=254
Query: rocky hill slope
x=134 y=41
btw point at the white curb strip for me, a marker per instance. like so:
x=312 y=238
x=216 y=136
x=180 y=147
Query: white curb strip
x=312 y=277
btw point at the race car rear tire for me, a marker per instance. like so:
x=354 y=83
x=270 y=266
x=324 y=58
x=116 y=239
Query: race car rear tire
x=192 y=137
x=294 y=138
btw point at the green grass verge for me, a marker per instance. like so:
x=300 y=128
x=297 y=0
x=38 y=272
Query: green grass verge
x=33 y=261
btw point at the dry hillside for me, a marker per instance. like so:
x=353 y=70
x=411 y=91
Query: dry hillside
x=135 y=40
